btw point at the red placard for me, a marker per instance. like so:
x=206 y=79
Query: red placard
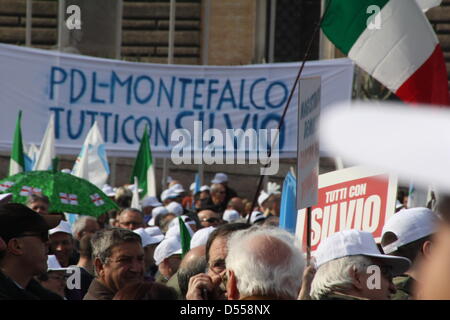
x=354 y=198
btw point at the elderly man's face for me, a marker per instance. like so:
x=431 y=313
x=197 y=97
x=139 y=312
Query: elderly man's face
x=218 y=194
x=216 y=264
x=130 y=220
x=39 y=206
x=208 y=218
x=91 y=228
x=61 y=244
x=124 y=266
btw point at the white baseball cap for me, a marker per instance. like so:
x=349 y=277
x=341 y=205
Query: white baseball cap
x=230 y=215
x=108 y=190
x=63 y=226
x=174 y=231
x=201 y=237
x=132 y=187
x=354 y=242
x=167 y=247
x=145 y=237
x=204 y=188
x=155 y=233
x=156 y=212
x=263 y=197
x=256 y=216
x=192 y=187
x=169 y=194
x=220 y=178
x=178 y=188
x=175 y=208
x=53 y=264
x=150 y=201
x=186 y=220
x=409 y=225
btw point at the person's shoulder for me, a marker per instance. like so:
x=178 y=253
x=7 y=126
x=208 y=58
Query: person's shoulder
x=403 y=286
x=40 y=292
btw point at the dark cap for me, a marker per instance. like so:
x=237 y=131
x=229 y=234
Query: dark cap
x=16 y=219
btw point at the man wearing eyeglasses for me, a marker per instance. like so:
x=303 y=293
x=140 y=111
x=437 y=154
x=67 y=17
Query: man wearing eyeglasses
x=210 y=285
x=208 y=218
x=25 y=234
x=118 y=260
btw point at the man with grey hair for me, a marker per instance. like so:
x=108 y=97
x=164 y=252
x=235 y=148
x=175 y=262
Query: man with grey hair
x=130 y=219
x=118 y=260
x=350 y=267
x=84 y=225
x=217 y=201
x=263 y=263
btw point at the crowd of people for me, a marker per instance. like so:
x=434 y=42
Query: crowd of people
x=236 y=251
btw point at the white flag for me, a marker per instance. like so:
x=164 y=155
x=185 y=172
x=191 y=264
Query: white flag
x=91 y=163
x=135 y=200
x=46 y=154
x=30 y=154
x=428 y=4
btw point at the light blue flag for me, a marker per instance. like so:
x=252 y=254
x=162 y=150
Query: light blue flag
x=197 y=183
x=288 y=211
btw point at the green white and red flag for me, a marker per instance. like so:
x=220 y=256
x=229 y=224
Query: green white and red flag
x=402 y=51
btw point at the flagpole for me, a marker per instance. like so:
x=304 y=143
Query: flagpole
x=308 y=236
x=306 y=56
x=28 y=23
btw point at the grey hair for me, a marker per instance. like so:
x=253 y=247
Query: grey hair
x=80 y=224
x=257 y=271
x=104 y=241
x=216 y=186
x=335 y=275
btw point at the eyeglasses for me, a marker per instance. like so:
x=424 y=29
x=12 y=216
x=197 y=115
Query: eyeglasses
x=41 y=235
x=210 y=220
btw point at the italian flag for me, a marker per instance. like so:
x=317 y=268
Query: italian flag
x=403 y=53
x=17 y=161
x=143 y=167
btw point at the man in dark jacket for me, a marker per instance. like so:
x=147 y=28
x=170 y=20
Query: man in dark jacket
x=25 y=234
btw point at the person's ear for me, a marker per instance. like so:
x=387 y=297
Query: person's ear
x=426 y=248
x=99 y=268
x=232 y=290
x=15 y=247
x=358 y=282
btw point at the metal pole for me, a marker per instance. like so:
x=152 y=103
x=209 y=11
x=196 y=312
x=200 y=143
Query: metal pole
x=308 y=236
x=171 y=31
x=165 y=173
x=61 y=5
x=205 y=31
x=119 y=29
x=28 y=23
x=273 y=10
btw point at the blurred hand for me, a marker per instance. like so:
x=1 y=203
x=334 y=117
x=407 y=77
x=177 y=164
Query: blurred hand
x=308 y=276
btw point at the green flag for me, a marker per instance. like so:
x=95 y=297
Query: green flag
x=17 y=162
x=185 y=237
x=143 y=167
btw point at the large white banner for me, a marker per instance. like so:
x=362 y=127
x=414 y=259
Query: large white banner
x=124 y=97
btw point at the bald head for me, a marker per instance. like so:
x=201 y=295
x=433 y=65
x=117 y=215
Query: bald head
x=194 y=262
x=193 y=255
